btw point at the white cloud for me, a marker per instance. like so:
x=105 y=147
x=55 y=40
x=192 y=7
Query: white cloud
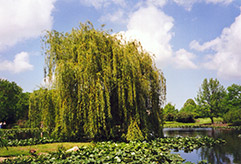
x=183 y=59
x=158 y=3
x=102 y=3
x=186 y=3
x=116 y=17
x=226 y=2
x=23 y=19
x=19 y=64
x=189 y=3
x=114 y=11
x=227 y=52
x=152 y=28
x=207 y=45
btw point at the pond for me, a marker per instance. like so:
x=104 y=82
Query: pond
x=229 y=153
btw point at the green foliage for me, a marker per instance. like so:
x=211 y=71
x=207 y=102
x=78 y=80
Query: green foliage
x=233 y=105
x=35 y=109
x=233 y=98
x=187 y=113
x=185 y=117
x=15 y=151
x=99 y=83
x=169 y=108
x=189 y=102
x=23 y=133
x=200 y=123
x=233 y=116
x=190 y=107
x=3 y=141
x=134 y=133
x=155 y=151
x=30 y=141
x=170 y=117
x=13 y=103
x=210 y=98
x=23 y=106
x=42 y=109
x=170 y=112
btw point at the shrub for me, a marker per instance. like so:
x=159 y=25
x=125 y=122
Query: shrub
x=170 y=117
x=22 y=133
x=233 y=117
x=30 y=141
x=3 y=141
x=185 y=117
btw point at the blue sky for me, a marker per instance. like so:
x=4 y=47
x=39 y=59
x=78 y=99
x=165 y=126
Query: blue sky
x=191 y=39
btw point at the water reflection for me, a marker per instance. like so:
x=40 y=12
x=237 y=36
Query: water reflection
x=229 y=153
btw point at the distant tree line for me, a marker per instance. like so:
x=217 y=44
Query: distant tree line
x=212 y=100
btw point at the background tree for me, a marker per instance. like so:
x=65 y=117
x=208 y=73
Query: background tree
x=189 y=107
x=210 y=98
x=102 y=85
x=12 y=102
x=233 y=105
x=233 y=98
x=170 y=112
x=23 y=106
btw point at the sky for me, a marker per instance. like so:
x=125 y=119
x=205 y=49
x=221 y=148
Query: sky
x=191 y=39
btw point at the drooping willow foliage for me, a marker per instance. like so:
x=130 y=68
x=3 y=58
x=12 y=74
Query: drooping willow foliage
x=42 y=109
x=101 y=84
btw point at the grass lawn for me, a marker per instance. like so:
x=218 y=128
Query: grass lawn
x=199 y=121
x=42 y=148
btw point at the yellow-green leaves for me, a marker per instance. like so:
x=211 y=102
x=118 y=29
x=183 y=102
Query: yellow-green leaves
x=101 y=83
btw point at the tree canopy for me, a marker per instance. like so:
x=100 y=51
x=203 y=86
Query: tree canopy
x=189 y=107
x=102 y=84
x=233 y=105
x=13 y=102
x=233 y=98
x=189 y=102
x=170 y=112
x=210 y=98
x=169 y=108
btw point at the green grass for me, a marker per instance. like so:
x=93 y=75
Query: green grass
x=42 y=148
x=199 y=121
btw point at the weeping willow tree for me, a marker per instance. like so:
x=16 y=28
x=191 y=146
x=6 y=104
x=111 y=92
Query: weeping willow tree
x=102 y=84
x=42 y=109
